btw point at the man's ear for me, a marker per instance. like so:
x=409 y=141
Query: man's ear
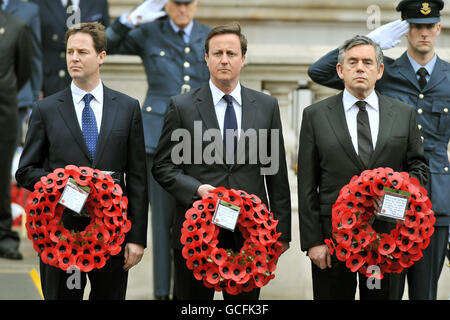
x=339 y=71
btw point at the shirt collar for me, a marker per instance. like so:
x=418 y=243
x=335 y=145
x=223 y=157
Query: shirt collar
x=429 y=66
x=5 y=4
x=349 y=100
x=218 y=94
x=78 y=94
x=187 y=30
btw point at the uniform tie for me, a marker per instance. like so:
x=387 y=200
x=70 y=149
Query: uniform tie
x=230 y=123
x=365 y=147
x=181 y=34
x=422 y=72
x=89 y=125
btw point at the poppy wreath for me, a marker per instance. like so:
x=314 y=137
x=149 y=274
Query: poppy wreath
x=221 y=269
x=102 y=238
x=355 y=241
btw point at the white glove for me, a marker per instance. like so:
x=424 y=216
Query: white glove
x=389 y=35
x=148 y=11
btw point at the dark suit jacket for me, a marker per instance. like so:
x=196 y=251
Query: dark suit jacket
x=15 y=70
x=259 y=111
x=53 y=29
x=163 y=55
x=54 y=140
x=433 y=114
x=29 y=12
x=327 y=159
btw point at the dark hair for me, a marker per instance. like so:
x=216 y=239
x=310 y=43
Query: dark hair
x=233 y=28
x=95 y=29
x=357 y=41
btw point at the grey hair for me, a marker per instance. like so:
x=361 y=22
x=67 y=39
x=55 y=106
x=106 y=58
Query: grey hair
x=358 y=41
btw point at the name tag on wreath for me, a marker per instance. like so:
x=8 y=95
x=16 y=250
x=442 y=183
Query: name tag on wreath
x=394 y=204
x=226 y=215
x=74 y=196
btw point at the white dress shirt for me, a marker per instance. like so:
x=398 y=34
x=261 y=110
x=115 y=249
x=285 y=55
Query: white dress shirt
x=220 y=105
x=351 y=112
x=96 y=103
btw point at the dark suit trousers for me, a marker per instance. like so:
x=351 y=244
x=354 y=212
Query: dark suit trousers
x=162 y=211
x=423 y=276
x=189 y=288
x=8 y=238
x=108 y=283
x=339 y=282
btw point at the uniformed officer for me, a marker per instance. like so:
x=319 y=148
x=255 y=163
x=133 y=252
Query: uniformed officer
x=171 y=49
x=55 y=17
x=420 y=78
x=28 y=12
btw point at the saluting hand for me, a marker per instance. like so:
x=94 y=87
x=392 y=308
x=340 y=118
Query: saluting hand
x=389 y=35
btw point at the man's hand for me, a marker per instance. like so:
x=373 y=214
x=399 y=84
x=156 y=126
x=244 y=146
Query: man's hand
x=204 y=189
x=389 y=35
x=133 y=254
x=320 y=255
x=148 y=11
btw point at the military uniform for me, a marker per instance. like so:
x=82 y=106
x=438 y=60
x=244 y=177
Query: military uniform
x=432 y=104
x=172 y=67
x=53 y=28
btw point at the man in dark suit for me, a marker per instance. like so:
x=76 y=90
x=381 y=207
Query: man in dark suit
x=15 y=71
x=28 y=12
x=340 y=137
x=88 y=124
x=429 y=95
x=222 y=104
x=56 y=17
x=173 y=64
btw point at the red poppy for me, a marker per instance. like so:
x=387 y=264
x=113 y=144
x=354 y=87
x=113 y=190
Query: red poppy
x=65 y=260
x=344 y=237
x=348 y=220
x=386 y=245
x=342 y=253
x=49 y=256
x=200 y=272
x=85 y=262
x=354 y=262
x=219 y=256
x=213 y=275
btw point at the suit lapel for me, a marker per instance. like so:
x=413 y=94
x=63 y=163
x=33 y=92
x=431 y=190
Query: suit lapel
x=336 y=119
x=438 y=75
x=406 y=70
x=205 y=106
x=110 y=108
x=248 y=118
x=385 y=127
x=67 y=110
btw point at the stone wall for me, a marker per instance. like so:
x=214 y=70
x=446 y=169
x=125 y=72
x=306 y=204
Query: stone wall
x=285 y=38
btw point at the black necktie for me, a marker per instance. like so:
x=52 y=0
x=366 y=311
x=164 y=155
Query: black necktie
x=230 y=123
x=181 y=34
x=365 y=147
x=422 y=72
x=69 y=4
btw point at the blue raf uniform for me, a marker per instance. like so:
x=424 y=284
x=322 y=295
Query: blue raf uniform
x=53 y=28
x=174 y=63
x=432 y=103
x=28 y=12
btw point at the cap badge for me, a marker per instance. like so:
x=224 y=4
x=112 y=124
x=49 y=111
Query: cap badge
x=425 y=10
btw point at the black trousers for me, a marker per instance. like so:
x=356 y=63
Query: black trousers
x=8 y=237
x=108 y=283
x=340 y=283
